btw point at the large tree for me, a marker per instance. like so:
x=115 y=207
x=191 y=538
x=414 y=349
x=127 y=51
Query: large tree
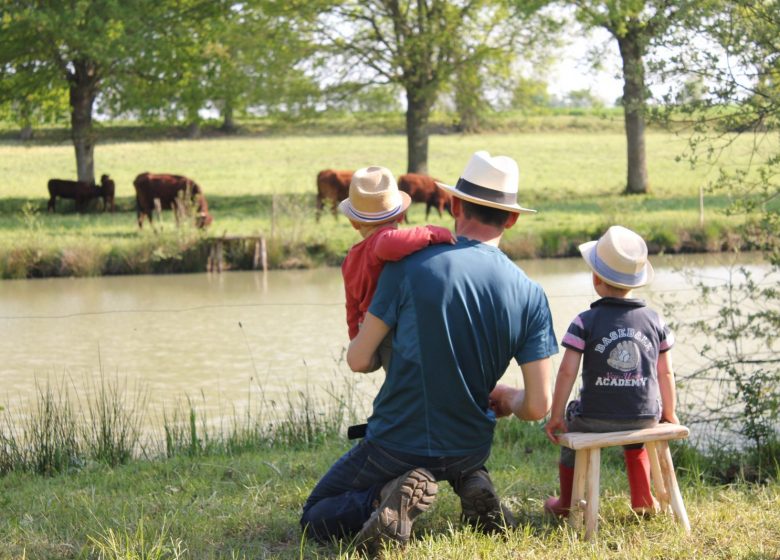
x=637 y=26
x=419 y=45
x=87 y=47
x=246 y=56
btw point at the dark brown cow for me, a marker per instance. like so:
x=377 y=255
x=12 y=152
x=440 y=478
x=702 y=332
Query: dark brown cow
x=332 y=187
x=82 y=192
x=109 y=190
x=173 y=192
x=422 y=188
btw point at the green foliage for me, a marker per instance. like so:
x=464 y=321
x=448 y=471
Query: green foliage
x=530 y=94
x=65 y=432
x=422 y=47
x=740 y=380
x=583 y=98
x=739 y=102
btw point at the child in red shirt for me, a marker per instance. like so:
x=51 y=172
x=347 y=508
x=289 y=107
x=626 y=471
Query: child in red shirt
x=374 y=207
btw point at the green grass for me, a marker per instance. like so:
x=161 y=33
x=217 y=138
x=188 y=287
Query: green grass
x=196 y=490
x=247 y=505
x=265 y=184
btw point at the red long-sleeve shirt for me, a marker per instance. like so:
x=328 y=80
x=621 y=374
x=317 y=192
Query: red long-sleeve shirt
x=365 y=260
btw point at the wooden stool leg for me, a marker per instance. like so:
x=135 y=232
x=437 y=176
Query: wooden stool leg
x=581 y=459
x=661 y=492
x=592 y=505
x=675 y=497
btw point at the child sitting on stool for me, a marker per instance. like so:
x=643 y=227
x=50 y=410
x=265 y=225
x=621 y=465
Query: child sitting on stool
x=626 y=365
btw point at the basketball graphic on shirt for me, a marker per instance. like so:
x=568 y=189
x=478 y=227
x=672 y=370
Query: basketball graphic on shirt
x=625 y=356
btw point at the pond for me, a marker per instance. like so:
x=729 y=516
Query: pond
x=225 y=340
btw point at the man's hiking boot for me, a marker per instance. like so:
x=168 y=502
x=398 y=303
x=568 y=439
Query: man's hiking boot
x=482 y=508
x=401 y=500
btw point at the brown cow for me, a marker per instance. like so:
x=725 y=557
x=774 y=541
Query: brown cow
x=82 y=192
x=172 y=192
x=422 y=188
x=333 y=187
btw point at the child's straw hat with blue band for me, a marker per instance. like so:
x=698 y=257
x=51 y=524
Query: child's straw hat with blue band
x=619 y=257
x=374 y=197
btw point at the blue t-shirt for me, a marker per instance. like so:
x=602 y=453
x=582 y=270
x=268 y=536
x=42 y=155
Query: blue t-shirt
x=459 y=314
x=620 y=340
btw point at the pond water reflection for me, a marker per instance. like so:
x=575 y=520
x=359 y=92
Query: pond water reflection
x=221 y=339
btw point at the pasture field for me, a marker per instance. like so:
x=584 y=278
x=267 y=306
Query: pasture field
x=266 y=185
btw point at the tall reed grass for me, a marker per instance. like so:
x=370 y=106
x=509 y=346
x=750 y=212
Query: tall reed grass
x=111 y=426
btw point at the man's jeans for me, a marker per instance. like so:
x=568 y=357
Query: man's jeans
x=345 y=497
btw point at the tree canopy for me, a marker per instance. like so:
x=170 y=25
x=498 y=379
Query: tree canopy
x=421 y=45
x=637 y=26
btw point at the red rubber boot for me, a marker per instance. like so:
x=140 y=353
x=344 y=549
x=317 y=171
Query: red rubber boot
x=638 y=471
x=560 y=506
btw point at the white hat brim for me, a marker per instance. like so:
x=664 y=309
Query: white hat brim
x=345 y=207
x=588 y=252
x=516 y=208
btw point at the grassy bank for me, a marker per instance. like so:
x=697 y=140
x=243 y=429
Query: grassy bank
x=264 y=184
x=247 y=505
x=235 y=491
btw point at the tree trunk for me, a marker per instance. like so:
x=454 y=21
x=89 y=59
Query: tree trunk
x=193 y=130
x=417 y=113
x=83 y=90
x=228 y=124
x=631 y=51
x=468 y=98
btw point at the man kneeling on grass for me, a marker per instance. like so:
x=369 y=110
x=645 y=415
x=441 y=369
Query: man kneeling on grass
x=459 y=314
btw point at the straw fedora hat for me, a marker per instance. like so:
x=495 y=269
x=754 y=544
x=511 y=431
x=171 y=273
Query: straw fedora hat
x=374 y=197
x=489 y=181
x=619 y=257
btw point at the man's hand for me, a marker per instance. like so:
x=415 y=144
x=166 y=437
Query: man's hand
x=504 y=398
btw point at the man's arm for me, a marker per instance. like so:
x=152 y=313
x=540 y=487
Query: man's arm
x=362 y=353
x=531 y=403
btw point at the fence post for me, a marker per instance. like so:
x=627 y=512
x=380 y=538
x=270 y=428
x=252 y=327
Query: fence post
x=701 y=205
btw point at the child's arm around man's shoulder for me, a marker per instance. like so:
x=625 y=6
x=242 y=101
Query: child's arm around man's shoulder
x=394 y=244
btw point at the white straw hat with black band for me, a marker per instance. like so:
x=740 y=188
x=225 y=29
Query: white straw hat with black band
x=374 y=197
x=619 y=257
x=489 y=181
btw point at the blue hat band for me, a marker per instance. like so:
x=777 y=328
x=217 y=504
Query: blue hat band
x=375 y=216
x=612 y=275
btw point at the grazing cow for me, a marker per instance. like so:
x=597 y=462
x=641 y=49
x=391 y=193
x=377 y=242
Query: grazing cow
x=82 y=192
x=333 y=187
x=172 y=192
x=422 y=188
x=109 y=189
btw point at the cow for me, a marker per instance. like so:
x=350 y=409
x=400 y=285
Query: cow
x=81 y=192
x=332 y=187
x=173 y=192
x=422 y=188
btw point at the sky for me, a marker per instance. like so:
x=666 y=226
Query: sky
x=572 y=71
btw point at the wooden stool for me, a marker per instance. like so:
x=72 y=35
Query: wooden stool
x=587 y=461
